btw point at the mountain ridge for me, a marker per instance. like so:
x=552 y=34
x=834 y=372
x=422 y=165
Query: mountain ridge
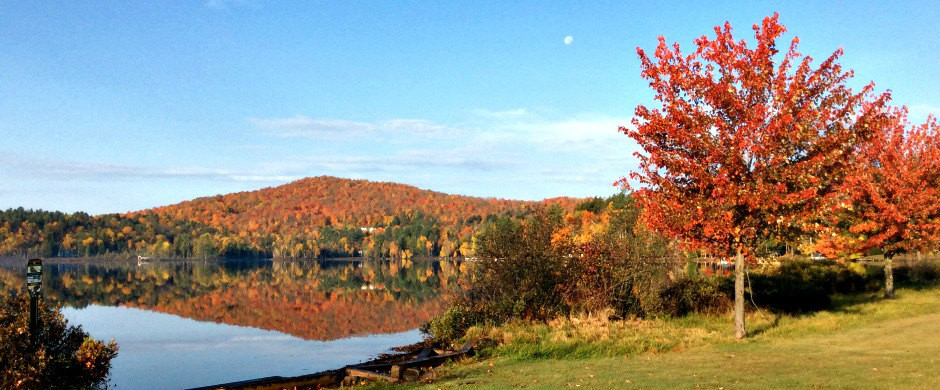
x=322 y=216
x=327 y=200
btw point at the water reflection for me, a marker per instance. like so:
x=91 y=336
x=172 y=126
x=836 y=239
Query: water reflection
x=162 y=351
x=311 y=300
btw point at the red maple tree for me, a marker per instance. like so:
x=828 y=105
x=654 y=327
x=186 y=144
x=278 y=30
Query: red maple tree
x=892 y=200
x=744 y=147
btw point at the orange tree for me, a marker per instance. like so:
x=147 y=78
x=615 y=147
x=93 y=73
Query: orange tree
x=64 y=358
x=891 y=201
x=745 y=144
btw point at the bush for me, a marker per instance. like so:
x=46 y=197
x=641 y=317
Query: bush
x=708 y=295
x=451 y=325
x=674 y=298
x=623 y=268
x=66 y=358
x=803 y=286
x=535 y=269
x=918 y=274
x=516 y=275
x=790 y=292
x=524 y=270
x=604 y=279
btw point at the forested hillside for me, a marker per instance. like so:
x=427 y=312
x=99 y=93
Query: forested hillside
x=313 y=217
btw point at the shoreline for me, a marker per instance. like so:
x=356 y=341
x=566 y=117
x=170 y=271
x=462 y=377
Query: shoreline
x=15 y=260
x=417 y=363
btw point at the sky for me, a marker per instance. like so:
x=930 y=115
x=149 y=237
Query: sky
x=121 y=106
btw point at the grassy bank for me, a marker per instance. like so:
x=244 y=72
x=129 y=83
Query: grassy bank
x=863 y=343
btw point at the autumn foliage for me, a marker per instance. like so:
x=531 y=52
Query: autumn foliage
x=292 y=220
x=65 y=358
x=891 y=201
x=328 y=200
x=745 y=144
x=309 y=218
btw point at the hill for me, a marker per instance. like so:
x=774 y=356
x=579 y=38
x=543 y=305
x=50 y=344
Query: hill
x=327 y=200
x=331 y=216
x=314 y=217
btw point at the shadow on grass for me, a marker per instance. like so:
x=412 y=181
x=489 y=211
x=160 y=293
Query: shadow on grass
x=757 y=330
x=840 y=303
x=848 y=303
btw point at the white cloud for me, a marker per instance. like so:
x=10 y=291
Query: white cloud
x=569 y=39
x=919 y=112
x=406 y=161
x=226 y=4
x=504 y=142
x=70 y=170
x=269 y=178
x=513 y=126
x=304 y=127
x=587 y=134
x=501 y=115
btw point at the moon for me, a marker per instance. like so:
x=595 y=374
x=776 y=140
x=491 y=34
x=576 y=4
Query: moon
x=569 y=39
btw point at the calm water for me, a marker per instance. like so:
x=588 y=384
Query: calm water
x=189 y=324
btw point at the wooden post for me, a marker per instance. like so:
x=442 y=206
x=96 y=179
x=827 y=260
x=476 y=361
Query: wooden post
x=33 y=320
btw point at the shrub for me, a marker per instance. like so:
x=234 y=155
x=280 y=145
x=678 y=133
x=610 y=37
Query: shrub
x=601 y=279
x=516 y=275
x=918 y=274
x=802 y=285
x=790 y=292
x=66 y=358
x=709 y=295
x=451 y=325
x=526 y=269
x=622 y=268
x=674 y=298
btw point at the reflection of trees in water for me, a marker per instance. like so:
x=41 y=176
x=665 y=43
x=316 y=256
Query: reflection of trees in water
x=312 y=300
x=10 y=282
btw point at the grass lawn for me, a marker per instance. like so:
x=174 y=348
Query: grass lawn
x=864 y=343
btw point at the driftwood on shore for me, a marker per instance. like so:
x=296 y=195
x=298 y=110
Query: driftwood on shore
x=400 y=368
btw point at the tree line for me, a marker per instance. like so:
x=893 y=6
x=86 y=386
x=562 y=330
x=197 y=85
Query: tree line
x=56 y=234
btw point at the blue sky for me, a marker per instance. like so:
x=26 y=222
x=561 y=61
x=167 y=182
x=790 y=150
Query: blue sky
x=118 y=106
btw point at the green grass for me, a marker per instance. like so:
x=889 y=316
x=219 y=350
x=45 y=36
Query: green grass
x=864 y=343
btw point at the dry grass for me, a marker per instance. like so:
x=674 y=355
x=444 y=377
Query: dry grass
x=594 y=336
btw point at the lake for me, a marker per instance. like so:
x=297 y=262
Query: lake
x=185 y=324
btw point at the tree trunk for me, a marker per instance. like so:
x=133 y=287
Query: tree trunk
x=889 y=278
x=739 y=331
x=919 y=257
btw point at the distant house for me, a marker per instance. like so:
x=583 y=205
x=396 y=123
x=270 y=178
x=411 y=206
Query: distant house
x=367 y=229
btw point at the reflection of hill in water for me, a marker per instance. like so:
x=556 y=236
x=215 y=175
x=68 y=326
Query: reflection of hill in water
x=317 y=301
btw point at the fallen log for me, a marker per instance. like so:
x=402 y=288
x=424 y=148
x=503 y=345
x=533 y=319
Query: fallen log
x=408 y=369
x=311 y=381
x=366 y=374
x=394 y=369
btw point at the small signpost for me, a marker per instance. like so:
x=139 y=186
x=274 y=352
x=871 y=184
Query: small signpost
x=34 y=286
